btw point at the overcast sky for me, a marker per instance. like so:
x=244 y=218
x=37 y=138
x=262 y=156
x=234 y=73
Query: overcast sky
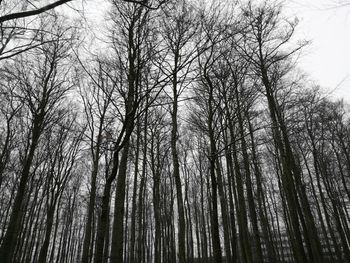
x=326 y=23
x=327 y=60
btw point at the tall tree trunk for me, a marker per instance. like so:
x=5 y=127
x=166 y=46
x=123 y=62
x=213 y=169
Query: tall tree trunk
x=103 y=222
x=155 y=155
x=140 y=214
x=9 y=242
x=240 y=199
x=176 y=174
x=224 y=213
x=271 y=254
x=90 y=213
x=288 y=181
x=134 y=196
x=252 y=209
x=49 y=225
x=119 y=209
x=214 y=187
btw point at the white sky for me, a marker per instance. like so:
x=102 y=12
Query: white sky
x=327 y=60
x=325 y=22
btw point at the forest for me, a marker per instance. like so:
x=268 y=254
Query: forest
x=182 y=131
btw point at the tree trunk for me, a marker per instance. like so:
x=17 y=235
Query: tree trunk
x=88 y=229
x=214 y=196
x=176 y=174
x=9 y=241
x=119 y=209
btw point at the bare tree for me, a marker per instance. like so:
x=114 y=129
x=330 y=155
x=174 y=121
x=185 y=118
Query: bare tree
x=41 y=88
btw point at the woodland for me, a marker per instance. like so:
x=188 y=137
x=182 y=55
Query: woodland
x=182 y=131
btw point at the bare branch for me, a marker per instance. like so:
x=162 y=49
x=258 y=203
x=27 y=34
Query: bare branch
x=34 y=12
x=145 y=3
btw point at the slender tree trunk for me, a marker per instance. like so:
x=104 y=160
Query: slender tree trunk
x=134 y=196
x=287 y=177
x=261 y=199
x=176 y=174
x=156 y=199
x=103 y=222
x=140 y=214
x=119 y=209
x=252 y=209
x=9 y=241
x=49 y=225
x=214 y=187
x=240 y=199
x=90 y=213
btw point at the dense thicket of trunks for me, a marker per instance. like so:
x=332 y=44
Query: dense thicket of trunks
x=186 y=135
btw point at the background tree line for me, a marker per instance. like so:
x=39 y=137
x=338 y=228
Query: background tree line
x=188 y=135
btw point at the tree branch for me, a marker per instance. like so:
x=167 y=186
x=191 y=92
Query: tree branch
x=32 y=12
x=144 y=3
